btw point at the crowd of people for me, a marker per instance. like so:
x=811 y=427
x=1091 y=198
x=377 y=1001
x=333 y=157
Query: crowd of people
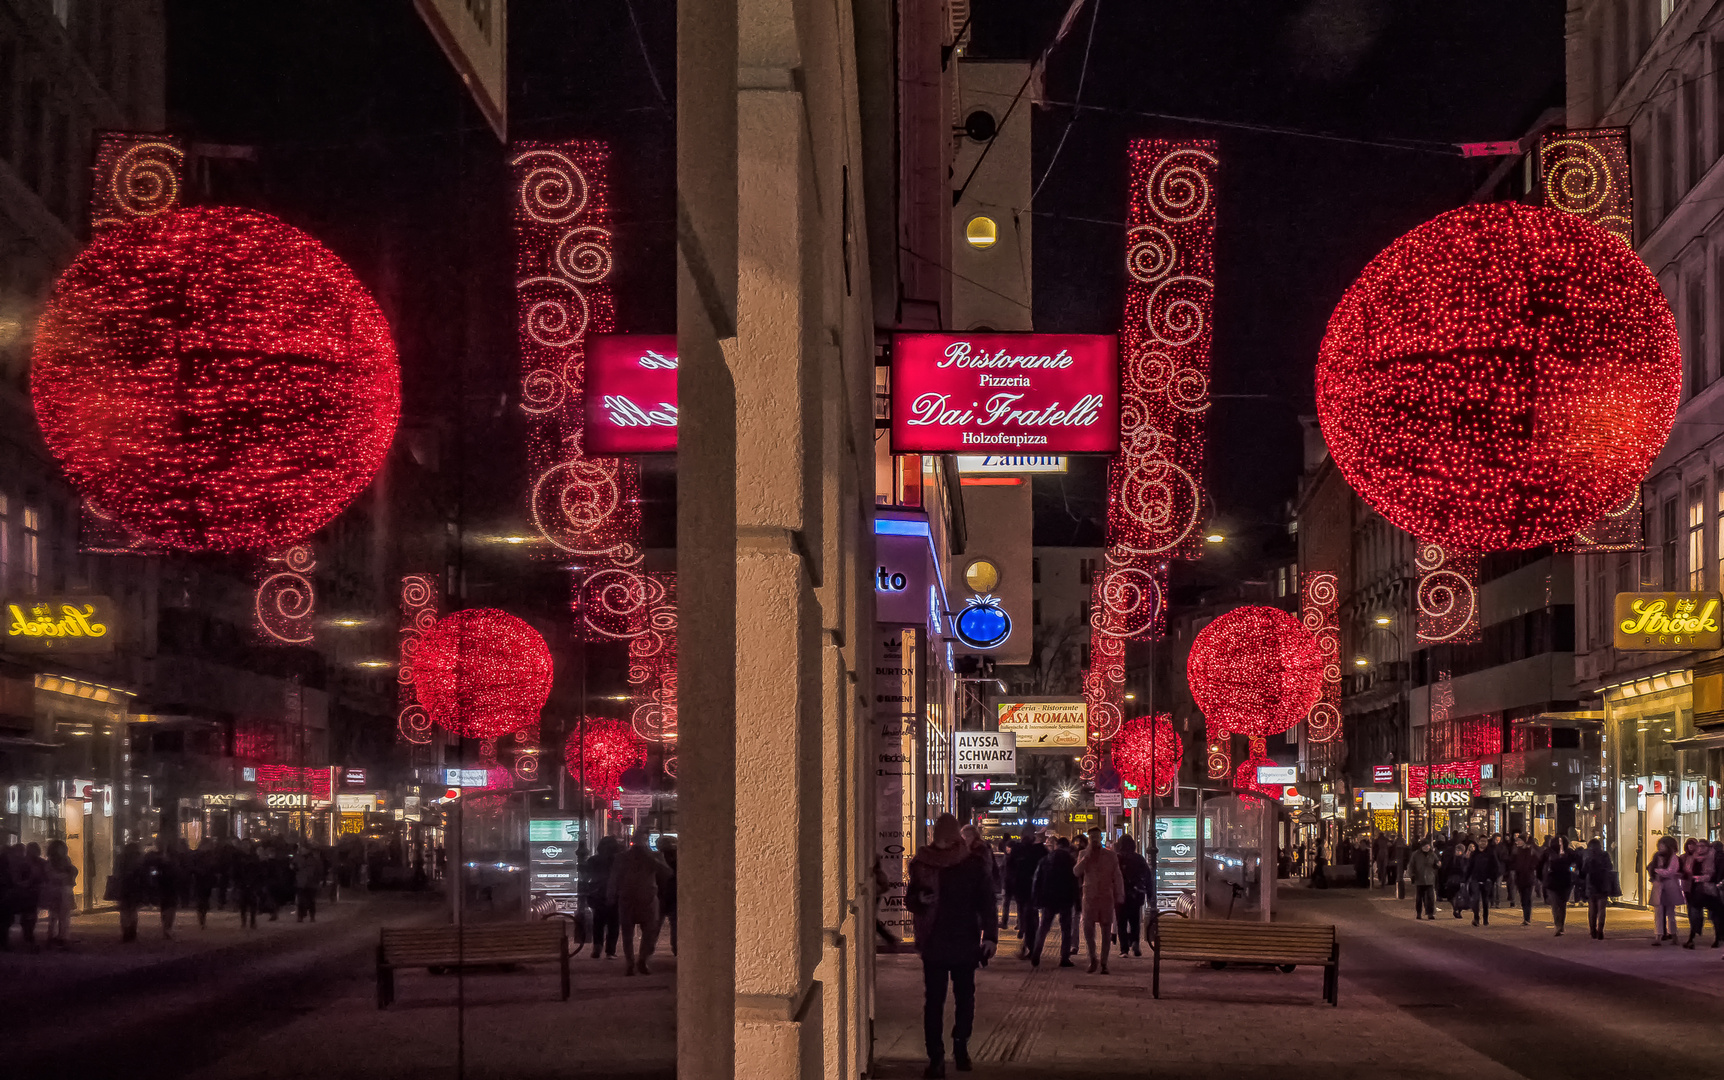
x=628 y=889
x=249 y=877
x=954 y=897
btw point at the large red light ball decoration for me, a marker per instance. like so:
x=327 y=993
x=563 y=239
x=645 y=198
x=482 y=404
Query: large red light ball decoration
x=1148 y=753
x=611 y=749
x=482 y=673
x=215 y=379
x=1499 y=377
x=1255 y=670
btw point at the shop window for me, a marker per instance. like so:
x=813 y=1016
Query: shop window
x=1696 y=536
x=1718 y=522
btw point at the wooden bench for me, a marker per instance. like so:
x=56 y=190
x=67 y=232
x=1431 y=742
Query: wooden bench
x=469 y=946
x=1285 y=945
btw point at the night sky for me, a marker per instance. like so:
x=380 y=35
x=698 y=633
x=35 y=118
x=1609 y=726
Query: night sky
x=1298 y=215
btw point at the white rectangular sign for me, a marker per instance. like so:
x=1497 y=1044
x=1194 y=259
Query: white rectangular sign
x=1382 y=800
x=981 y=464
x=989 y=753
x=1277 y=774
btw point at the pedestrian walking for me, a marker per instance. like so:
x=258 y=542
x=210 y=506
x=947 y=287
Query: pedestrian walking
x=1103 y=892
x=1712 y=892
x=951 y=898
x=667 y=888
x=636 y=876
x=1558 y=877
x=307 y=880
x=21 y=893
x=1601 y=885
x=1422 y=869
x=1134 y=868
x=165 y=871
x=247 y=884
x=205 y=872
x=1482 y=870
x=1696 y=874
x=1362 y=864
x=1665 y=873
x=1455 y=883
x=1055 y=891
x=1523 y=867
x=1022 y=858
x=59 y=884
x=598 y=880
x=131 y=888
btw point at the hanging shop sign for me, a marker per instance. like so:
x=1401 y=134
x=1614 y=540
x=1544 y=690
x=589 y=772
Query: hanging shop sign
x=1045 y=725
x=1449 y=798
x=1277 y=774
x=984 y=752
x=1007 y=800
x=1382 y=774
x=1684 y=620
x=287 y=800
x=987 y=464
x=631 y=394
x=62 y=624
x=901 y=561
x=1383 y=800
x=1035 y=393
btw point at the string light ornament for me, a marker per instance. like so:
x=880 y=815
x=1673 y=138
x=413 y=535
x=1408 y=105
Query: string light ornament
x=1148 y=752
x=420 y=599
x=214 y=379
x=1255 y=670
x=1499 y=377
x=482 y=673
x=1319 y=613
x=610 y=749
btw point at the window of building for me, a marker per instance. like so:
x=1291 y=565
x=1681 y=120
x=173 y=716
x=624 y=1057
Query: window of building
x=1696 y=140
x=1667 y=537
x=1036 y=611
x=1718 y=525
x=1035 y=571
x=1699 y=374
x=32 y=549
x=1665 y=8
x=1696 y=536
x=1086 y=571
x=1083 y=611
x=1665 y=141
x=5 y=542
x=1083 y=657
x=1599 y=624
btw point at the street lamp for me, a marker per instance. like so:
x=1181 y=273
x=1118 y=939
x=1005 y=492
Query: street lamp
x=1214 y=538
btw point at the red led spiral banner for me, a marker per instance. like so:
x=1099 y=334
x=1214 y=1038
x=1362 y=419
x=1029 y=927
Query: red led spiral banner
x=482 y=673
x=1499 y=378
x=214 y=379
x=1320 y=615
x=1255 y=671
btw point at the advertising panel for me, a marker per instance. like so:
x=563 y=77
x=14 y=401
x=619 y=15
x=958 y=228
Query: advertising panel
x=1277 y=774
x=975 y=392
x=61 y=624
x=1685 y=620
x=631 y=394
x=901 y=563
x=984 y=753
x=1045 y=725
x=896 y=676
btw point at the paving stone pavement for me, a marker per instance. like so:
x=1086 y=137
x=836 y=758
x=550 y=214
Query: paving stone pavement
x=1417 y=1000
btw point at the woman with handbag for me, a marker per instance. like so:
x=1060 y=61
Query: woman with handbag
x=1665 y=873
x=1696 y=877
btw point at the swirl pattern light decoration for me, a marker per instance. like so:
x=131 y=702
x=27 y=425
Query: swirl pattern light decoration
x=134 y=175
x=586 y=507
x=1320 y=615
x=1255 y=670
x=420 y=600
x=652 y=665
x=1218 y=748
x=285 y=602
x=609 y=750
x=482 y=673
x=1586 y=173
x=1148 y=752
x=1155 y=497
x=1447 y=596
x=215 y=380
x=1499 y=377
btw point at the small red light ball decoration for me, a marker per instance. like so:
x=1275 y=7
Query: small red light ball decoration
x=1148 y=753
x=1245 y=777
x=611 y=750
x=1499 y=377
x=214 y=379
x=1255 y=670
x=482 y=673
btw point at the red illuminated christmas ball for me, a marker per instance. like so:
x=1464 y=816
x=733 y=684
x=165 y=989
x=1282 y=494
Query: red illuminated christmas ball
x=1245 y=777
x=1499 y=377
x=611 y=749
x=215 y=379
x=1147 y=752
x=482 y=673
x=1255 y=670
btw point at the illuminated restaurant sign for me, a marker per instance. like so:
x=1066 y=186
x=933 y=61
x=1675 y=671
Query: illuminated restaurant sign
x=1685 y=620
x=631 y=394
x=1045 y=725
x=63 y=624
x=984 y=393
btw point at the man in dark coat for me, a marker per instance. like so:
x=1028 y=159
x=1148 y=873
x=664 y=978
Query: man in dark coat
x=1021 y=862
x=1055 y=892
x=951 y=898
